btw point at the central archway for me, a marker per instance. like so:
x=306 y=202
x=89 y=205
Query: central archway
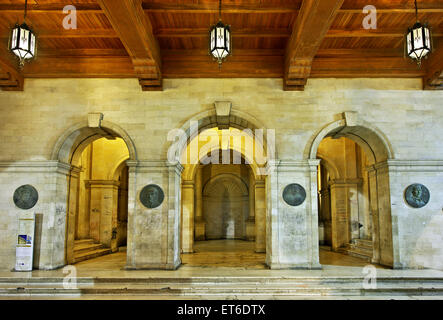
x=200 y=147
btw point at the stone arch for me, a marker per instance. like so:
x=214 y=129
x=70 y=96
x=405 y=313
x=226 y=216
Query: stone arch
x=378 y=151
x=115 y=172
x=236 y=184
x=207 y=120
x=370 y=138
x=68 y=149
x=70 y=144
x=330 y=166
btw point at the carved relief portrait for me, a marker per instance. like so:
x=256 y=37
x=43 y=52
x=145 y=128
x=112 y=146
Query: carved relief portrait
x=417 y=195
x=25 y=197
x=294 y=194
x=152 y=196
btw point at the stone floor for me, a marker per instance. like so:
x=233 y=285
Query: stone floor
x=222 y=270
x=224 y=258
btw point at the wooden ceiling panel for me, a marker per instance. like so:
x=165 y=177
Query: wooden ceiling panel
x=260 y=29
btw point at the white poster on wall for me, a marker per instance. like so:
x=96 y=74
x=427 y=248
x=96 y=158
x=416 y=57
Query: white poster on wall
x=25 y=242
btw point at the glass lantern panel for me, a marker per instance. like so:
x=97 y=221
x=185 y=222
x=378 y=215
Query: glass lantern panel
x=219 y=53
x=418 y=39
x=24 y=39
x=212 y=39
x=228 y=40
x=32 y=45
x=409 y=42
x=220 y=37
x=14 y=38
x=21 y=53
x=427 y=38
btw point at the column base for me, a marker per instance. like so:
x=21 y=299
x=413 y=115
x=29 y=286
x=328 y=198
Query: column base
x=250 y=229
x=295 y=266
x=155 y=266
x=200 y=230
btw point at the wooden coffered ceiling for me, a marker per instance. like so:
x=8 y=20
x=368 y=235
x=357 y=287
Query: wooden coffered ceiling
x=156 y=39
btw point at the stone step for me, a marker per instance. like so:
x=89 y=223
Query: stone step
x=79 y=249
x=361 y=250
x=359 y=254
x=83 y=241
x=363 y=243
x=215 y=290
x=228 y=280
x=91 y=254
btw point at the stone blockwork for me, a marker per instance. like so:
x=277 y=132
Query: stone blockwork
x=32 y=122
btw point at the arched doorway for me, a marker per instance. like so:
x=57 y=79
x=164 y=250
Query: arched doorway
x=223 y=200
x=96 y=188
x=354 y=191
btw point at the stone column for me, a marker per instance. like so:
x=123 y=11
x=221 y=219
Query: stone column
x=154 y=234
x=344 y=211
x=200 y=224
x=292 y=232
x=187 y=216
x=250 y=222
x=260 y=216
x=372 y=176
x=73 y=178
x=103 y=211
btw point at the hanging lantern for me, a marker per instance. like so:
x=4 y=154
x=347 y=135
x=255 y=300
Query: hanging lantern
x=418 y=40
x=220 y=40
x=22 y=41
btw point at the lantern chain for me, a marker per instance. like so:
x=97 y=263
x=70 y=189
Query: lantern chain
x=26 y=9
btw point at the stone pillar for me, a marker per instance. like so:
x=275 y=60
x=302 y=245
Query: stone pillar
x=260 y=216
x=74 y=179
x=200 y=224
x=187 y=229
x=372 y=176
x=384 y=215
x=292 y=232
x=344 y=211
x=103 y=211
x=250 y=222
x=154 y=234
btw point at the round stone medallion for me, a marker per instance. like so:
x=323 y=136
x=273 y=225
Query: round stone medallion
x=152 y=196
x=294 y=194
x=25 y=197
x=417 y=195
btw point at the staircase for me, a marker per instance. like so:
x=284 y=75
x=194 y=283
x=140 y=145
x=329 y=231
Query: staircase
x=283 y=287
x=87 y=249
x=359 y=248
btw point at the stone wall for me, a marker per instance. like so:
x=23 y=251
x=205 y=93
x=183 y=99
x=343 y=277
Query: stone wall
x=31 y=122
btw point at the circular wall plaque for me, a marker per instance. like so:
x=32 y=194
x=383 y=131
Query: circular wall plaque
x=417 y=195
x=152 y=196
x=25 y=197
x=294 y=194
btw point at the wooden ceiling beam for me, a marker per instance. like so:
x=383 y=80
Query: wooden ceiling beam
x=93 y=8
x=245 y=63
x=312 y=24
x=238 y=33
x=433 y=80
x=135 y=31
x=10 y=78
